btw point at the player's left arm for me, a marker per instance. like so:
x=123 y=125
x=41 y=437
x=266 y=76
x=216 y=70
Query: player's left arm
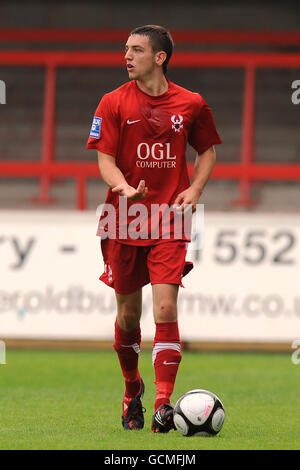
x=204 y=165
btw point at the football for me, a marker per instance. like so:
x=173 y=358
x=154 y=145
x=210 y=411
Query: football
x=199 y=413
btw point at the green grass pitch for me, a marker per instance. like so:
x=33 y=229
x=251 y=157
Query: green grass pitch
x=72 y=400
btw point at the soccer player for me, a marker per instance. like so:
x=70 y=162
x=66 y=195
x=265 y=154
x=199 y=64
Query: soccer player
x=141 y=131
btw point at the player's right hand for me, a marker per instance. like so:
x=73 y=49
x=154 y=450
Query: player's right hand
x=131 y=193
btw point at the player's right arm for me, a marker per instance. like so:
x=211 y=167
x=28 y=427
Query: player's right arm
x=115 y=179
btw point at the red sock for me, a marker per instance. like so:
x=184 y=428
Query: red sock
x=166 y=358
x=127 y=346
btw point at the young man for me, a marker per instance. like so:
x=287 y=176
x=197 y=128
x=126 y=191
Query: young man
x=141 y=131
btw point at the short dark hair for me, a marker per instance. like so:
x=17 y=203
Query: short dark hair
x=160 y=38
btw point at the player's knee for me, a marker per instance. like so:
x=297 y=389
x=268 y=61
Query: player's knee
x=128 y=318
x=166 y=311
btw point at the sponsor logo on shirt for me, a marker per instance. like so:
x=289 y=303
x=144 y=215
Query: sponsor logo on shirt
x=96 y=127
x=157 y=155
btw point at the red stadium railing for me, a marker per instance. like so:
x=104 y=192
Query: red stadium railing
x=281 y=38
x=245 y=172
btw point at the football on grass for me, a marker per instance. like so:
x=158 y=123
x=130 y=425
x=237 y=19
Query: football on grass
x=199 y=413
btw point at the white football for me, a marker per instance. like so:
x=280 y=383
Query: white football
x=199 y=413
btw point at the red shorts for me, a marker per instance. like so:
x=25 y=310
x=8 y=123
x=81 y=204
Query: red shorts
x=128 y=267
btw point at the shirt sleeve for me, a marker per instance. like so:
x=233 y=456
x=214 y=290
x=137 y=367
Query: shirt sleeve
x=104 y=134
x=203 y=133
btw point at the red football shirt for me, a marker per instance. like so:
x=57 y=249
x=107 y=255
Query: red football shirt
x=148 y=136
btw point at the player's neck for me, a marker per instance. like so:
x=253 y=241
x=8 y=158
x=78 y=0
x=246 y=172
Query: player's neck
x=154 y=86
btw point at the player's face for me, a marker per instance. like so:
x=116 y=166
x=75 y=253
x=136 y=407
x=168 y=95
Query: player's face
x=139 y=57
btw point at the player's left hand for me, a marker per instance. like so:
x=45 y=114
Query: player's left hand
x=187 y=199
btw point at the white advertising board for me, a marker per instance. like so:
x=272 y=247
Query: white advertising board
x=244 y=285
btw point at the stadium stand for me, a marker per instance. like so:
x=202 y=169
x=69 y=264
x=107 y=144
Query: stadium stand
x=244 y=75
